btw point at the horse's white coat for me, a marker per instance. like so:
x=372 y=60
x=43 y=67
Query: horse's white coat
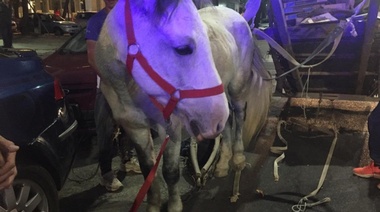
x=241 y=68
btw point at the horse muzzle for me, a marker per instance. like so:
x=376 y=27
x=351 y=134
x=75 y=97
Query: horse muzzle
x=195 y=129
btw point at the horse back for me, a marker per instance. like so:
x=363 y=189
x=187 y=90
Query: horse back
x=232 y=46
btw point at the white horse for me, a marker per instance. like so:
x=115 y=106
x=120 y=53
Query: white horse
x=240 y=65
x=155 y=61
x=160 y=57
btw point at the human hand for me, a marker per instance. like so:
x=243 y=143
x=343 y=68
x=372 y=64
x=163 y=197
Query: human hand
x=8 y=170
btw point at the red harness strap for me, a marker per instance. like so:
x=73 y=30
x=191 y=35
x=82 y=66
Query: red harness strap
x=148 y=181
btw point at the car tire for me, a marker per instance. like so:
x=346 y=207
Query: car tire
x=58 y=32
x=32 y=190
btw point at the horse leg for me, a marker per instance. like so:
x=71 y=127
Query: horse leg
x=238 y=158
x=222 y=166
x=137 y=128
x=143 y=143
x=170 y=169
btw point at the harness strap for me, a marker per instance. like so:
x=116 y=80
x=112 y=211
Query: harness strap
x=335 y=37
x=129 y=22
x=171 y=90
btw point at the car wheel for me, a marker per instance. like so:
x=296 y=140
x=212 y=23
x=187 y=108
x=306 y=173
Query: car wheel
x=58 y=31
x=32 y=190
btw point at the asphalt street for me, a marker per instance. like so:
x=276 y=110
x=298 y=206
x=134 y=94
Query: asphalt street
x=44 y=44
x=299 y=172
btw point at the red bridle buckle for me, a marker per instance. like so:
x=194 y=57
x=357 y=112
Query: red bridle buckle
x=133 y=49
x=172 y=103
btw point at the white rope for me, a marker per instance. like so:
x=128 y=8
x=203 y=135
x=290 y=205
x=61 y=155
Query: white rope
x=305 y=92
x=235 y=193
x=302 y=204
x=279 y=150
x=213 y=154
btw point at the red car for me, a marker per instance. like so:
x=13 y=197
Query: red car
x=69 y=64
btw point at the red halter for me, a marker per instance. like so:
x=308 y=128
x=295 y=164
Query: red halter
x=135 y=53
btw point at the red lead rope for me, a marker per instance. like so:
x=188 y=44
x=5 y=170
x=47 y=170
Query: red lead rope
x=148 y=181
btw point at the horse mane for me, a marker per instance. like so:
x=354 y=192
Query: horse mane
x=202 y=3
x=162 y=6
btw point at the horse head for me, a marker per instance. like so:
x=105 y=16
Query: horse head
x=169 y=39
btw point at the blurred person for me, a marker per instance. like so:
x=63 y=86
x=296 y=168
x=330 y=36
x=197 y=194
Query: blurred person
x=105 y=125
x=8 y=170
x=373 y=169
x=57 y=12
x=6 y=23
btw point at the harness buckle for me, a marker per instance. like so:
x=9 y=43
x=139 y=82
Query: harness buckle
x=133 y=49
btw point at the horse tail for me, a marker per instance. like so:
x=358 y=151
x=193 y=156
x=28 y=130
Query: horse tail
x=258 y=99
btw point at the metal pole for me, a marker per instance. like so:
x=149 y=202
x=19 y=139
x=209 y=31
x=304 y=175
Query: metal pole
x=367 y=44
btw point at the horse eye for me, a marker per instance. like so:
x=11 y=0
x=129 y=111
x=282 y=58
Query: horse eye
x=184 y=50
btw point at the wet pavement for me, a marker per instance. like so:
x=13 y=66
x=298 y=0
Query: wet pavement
x=299 y=172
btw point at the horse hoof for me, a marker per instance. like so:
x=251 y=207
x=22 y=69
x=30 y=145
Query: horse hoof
x=238 y=162
x=238 y=159
x=153 y=208
x=175 y=205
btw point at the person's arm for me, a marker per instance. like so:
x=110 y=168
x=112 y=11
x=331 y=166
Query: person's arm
x=91 y=54
x=8 y=170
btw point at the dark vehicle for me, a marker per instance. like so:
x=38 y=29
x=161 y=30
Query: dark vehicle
x=69 y=64
x=82 y=17
x=52 y=23
x=35 y=116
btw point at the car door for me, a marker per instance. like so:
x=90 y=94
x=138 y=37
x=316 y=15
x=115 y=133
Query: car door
x=46 y=23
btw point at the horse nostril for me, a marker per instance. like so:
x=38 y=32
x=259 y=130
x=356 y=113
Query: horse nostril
x=219 y=127
x=194 y=127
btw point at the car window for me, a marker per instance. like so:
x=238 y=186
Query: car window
x=77 y=43
x=57 y=17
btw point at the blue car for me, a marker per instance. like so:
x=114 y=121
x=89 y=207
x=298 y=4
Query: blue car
x=35 y=116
